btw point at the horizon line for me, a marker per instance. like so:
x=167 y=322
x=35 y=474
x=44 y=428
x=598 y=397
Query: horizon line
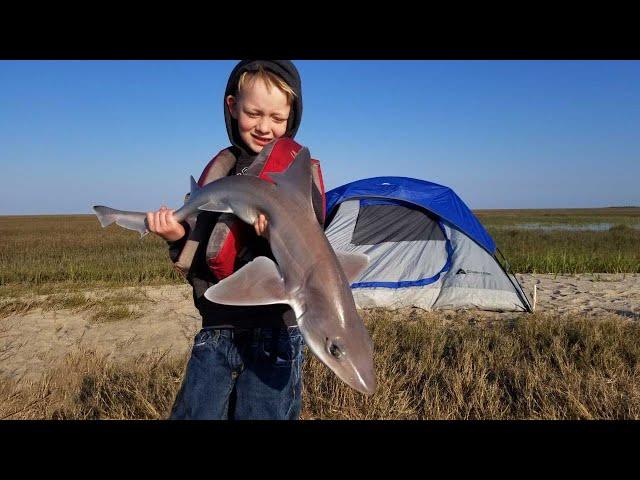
x=472 y=209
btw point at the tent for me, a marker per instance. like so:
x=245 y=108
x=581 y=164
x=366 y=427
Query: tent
x=427 y=249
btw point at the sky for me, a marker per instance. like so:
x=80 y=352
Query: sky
x=501 y=134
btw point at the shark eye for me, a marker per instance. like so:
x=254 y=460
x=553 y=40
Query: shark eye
x=334 y=349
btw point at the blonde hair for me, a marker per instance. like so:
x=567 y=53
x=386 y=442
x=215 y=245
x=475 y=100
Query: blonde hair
x=270 y=79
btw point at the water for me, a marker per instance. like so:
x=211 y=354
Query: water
x=547 y=227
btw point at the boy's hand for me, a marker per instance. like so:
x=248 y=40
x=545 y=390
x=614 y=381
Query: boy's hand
x=261 y=225
x=164 y=225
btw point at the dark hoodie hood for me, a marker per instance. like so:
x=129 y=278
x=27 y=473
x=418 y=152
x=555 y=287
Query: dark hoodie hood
x=285 y=70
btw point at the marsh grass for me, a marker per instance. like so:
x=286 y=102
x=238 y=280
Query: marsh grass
x=438 y=366
x=615 y=250
x=572 y=216
x=37 y=252
x=535 y=251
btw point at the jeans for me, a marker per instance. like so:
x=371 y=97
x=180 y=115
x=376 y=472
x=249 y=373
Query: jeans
x=254 y=374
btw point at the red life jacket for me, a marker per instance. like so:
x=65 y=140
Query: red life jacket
x=230 y=234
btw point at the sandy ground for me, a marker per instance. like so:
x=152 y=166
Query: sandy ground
x=589 y=294
x=31 y=343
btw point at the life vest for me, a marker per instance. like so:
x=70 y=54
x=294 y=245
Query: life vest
x=230 y=234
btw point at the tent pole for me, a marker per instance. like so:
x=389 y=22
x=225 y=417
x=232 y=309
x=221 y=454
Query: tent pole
x=520 y=291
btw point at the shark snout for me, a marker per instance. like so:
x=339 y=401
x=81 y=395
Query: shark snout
x=366 y=382
x=359 y=373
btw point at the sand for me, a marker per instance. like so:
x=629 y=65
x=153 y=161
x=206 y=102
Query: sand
x=35 y=341
x=588 y=294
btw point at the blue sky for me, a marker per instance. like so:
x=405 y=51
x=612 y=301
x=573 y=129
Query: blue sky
x=502 y=134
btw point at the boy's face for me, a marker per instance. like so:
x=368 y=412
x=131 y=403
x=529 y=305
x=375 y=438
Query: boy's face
x=261 y=114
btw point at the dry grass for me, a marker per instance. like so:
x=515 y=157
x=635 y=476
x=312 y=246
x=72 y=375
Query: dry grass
x=89 y=386
x=106 y=305
x=537 y=367
x=439 y=366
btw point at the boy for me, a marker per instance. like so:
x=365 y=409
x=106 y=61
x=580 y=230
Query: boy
x=246 y=362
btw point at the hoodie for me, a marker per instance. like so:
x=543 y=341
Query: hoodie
x=285 y=70
x=199 y=276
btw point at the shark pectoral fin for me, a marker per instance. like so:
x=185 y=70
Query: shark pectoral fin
x=257 y=283
x=353 y=264
x=215 y=207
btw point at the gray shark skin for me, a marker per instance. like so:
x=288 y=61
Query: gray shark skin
x=309 y=276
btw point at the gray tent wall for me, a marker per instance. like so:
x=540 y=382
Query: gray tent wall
x=419 y=260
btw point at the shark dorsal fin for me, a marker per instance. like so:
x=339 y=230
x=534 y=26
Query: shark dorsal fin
x=194 y=186
x=296 y=180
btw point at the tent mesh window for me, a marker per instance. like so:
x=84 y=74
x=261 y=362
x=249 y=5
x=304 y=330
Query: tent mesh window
x=394 y=223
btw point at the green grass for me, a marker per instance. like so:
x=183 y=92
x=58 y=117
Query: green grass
x=573 y=216
x=537 y=251
x=73 y=250
x=37 y=250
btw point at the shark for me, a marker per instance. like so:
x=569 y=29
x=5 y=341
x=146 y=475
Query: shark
x=308 y=274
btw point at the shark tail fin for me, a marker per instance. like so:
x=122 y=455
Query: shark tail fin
x=136 y=221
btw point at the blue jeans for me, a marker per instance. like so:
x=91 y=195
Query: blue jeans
x=242 y=375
